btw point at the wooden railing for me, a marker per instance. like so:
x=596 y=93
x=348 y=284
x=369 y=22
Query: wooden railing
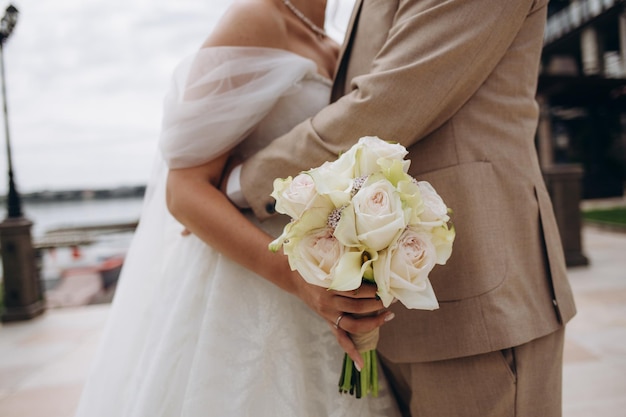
x=79 y=235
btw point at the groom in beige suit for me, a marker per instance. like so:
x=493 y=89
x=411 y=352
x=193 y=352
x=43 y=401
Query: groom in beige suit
x=454 y=81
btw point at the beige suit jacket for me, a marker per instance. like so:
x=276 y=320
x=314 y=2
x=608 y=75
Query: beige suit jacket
x=455 y=83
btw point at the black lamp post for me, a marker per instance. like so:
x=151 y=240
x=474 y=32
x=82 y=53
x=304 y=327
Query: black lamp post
x=23 y=298
x=7 y=23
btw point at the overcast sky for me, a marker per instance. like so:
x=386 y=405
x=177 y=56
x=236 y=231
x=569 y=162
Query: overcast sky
x=85 y=83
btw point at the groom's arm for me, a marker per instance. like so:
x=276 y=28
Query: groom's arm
x=434 y=57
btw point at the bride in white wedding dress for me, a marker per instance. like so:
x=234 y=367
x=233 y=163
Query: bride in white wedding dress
x=191 y=332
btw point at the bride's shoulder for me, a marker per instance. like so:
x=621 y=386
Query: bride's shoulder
x=250 y=23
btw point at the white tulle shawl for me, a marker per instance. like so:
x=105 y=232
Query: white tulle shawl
x=219 y=95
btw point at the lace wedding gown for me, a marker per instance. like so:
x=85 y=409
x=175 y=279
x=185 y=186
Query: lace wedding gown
x=192 y=334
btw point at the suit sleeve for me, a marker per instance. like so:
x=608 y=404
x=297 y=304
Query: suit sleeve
x=432 y=60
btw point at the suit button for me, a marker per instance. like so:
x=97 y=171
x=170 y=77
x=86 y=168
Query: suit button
x=270 y=208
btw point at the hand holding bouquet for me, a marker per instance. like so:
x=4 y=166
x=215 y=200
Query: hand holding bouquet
x=363 y=218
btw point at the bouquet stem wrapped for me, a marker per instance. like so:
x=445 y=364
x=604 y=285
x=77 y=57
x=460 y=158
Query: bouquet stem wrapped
x=364 y=218
x=364 y=382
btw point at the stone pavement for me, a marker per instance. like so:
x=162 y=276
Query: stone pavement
x=44 y=362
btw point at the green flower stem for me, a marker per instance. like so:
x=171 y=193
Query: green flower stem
x=362 y=383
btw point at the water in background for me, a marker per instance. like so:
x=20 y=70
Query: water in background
x=53 y=215
x=47 y=216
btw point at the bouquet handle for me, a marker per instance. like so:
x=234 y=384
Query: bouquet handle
x=364 y=382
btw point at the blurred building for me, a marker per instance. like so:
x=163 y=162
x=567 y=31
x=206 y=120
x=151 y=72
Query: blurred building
x=582 y=93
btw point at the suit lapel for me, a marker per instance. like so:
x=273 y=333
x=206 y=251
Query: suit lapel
x=340 y=70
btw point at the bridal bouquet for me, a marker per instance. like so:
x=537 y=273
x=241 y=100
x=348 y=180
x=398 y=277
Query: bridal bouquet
x=363 y=218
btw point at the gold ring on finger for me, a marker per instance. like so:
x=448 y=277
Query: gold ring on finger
x=338 y=320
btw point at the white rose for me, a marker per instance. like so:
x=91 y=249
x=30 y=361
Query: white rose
x=314 y=255
x=295 y=196
x=402 y=271
x=323 y=261
x=374 y=153
x=378 y=214
x=435 y=210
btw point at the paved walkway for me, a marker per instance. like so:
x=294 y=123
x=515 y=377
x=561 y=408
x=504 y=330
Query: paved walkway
x=43 y=362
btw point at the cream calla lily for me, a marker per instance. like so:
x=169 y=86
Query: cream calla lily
x=349 y=272
x=372 y=154
x=334 y=179
x=313 y=218
x=443 y=238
